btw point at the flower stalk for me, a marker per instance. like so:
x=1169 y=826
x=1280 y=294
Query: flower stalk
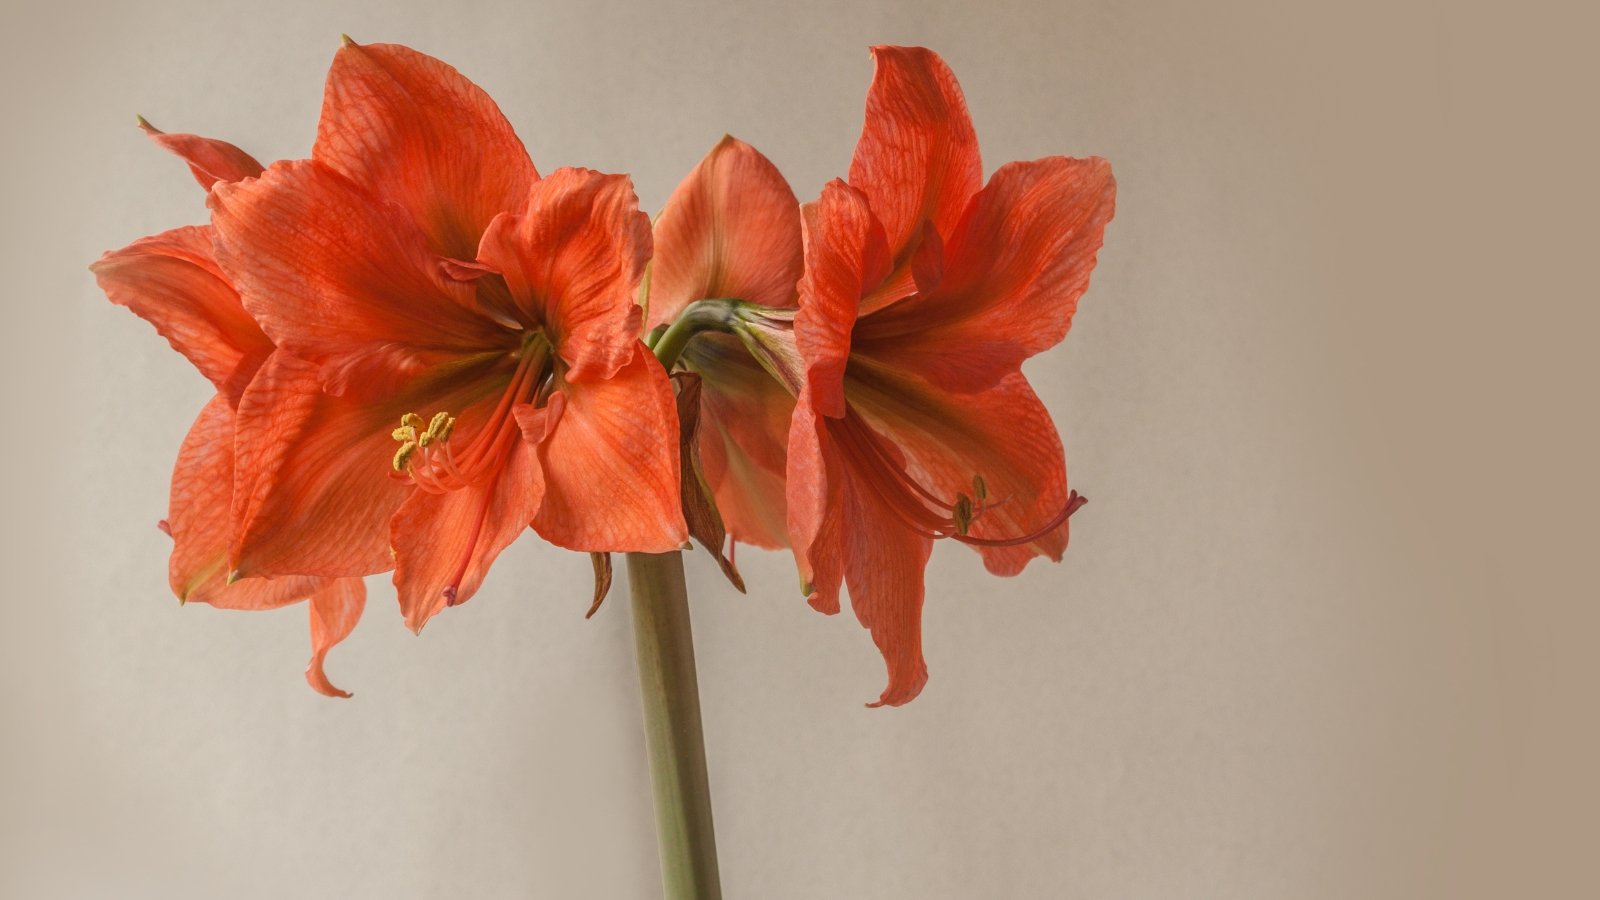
x=669 y=690
x=664 y=643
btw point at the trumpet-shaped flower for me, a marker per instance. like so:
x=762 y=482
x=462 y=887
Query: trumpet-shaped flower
x=924 y=290
x=458 y=351
x=731 y=230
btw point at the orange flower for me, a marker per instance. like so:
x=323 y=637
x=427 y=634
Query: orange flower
x=172 y=281
x=924 y=290
x=458 y=346
x=731 y=229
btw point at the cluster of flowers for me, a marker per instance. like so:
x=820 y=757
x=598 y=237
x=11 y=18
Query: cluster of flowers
x=421 y=347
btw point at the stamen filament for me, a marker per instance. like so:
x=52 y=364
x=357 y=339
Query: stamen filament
x=1075 y=502
x=909 y=501
x=428 y=460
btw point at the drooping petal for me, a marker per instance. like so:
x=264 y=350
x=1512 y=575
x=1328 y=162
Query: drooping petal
x=572 y=257
x=918 y=155
x=315 y=490
x=210 y=160
x=339 y=277
x=884 y=567
x=730 y=229
x=744 y=427
x=334 y=610
x=1014 y=270
x=611 y=464
x=412 y=129
x=1003 y=435
x=445 y=543
x=171 y=281
x=197 y=520
x=842 y=532
x=815 y=485
x=845 y=256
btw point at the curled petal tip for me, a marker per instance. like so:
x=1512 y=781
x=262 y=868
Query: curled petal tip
x=346 y=40
x=145 y=124
x=235 y=575
x=165 y=527
x=319 y=682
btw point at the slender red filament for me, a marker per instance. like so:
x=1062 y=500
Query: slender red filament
x=437 y=468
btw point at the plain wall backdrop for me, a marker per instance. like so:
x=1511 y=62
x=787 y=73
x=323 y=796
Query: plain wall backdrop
x=1322 y=632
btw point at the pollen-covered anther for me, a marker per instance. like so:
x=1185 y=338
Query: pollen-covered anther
x=415 y=439
x=962 y=513
x=402 y=457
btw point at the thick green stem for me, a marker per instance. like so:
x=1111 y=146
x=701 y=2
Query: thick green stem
x=665 y=647
x=701 y=315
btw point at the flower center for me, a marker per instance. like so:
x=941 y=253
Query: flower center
x=427 y=457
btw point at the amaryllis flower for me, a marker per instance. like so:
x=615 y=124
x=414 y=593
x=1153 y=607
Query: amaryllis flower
x=458 y=351
x=172 y=281
x=731 y=230
x=924 y=290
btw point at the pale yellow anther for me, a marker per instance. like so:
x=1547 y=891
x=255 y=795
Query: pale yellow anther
x=413 y=437
x=403 y=455
x=979 y=488
x=439 y=420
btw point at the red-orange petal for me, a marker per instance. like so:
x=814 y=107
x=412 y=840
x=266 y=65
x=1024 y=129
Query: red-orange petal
x=413 y=130
x=842 y=534
x=445 y=543
x=312 y=490
x=918 y=154
x=171 y=281
x=572 y=256
x=210 y=160
x=337 y=276
x=815 y=482
x=1014 y=270
x=1002 y=434
x=845 y=256
x=197 y=519
x=730 y=229
x=611 y=464
x=744 y=426
x=334 y=609
x=884 y=566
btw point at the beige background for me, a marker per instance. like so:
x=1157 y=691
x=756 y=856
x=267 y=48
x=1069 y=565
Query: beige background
x=1322 y=633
